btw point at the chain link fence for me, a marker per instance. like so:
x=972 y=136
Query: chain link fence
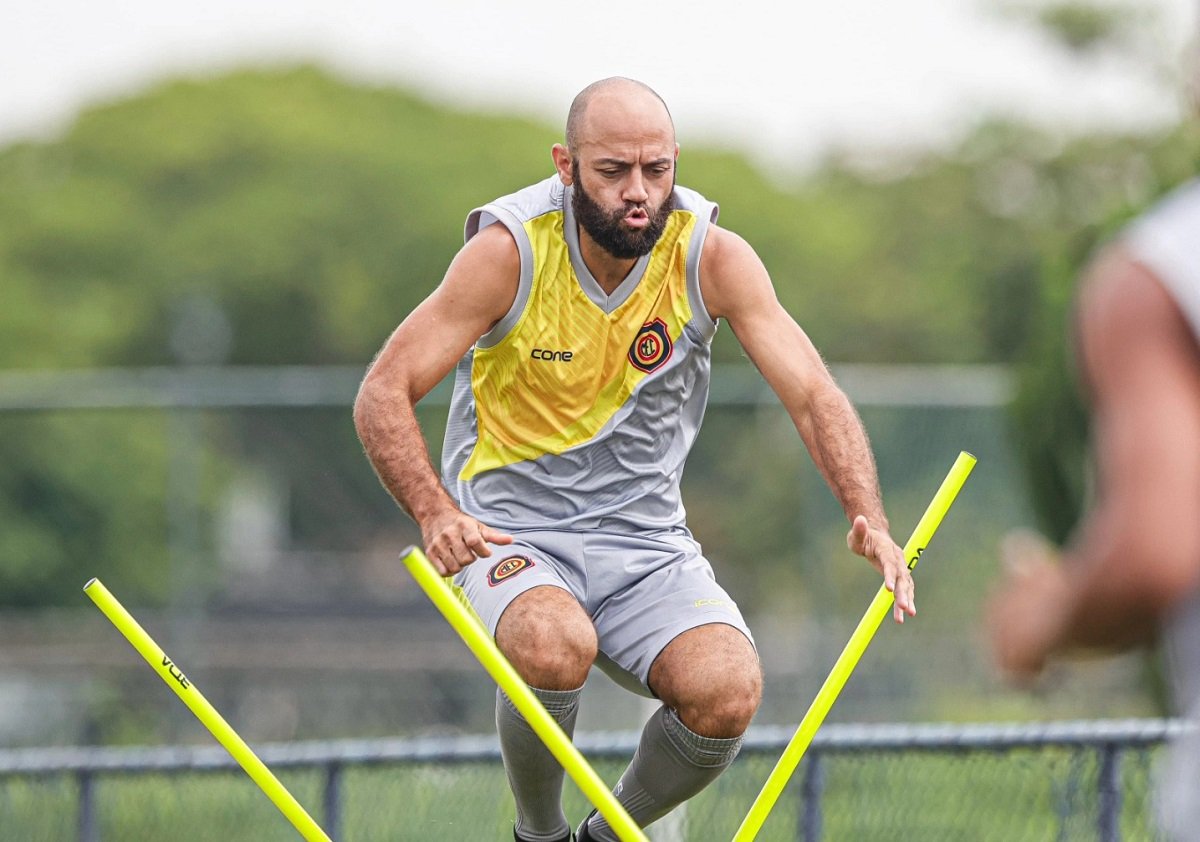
x=1080 y=780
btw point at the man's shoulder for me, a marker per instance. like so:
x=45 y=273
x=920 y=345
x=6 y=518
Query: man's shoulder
x=692 y=201
x=1164 y=241
x=1182 y=202
x=535 y=199
x=1174 y=218
x=724 y=248
x=516 y=208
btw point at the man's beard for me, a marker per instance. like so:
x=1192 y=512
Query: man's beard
x=607 y=228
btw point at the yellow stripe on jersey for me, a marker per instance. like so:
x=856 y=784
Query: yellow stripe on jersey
x=528 y=406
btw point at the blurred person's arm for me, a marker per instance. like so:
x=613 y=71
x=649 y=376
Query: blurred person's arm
x=736 y=286
x=1137 y=553
x=478 y=289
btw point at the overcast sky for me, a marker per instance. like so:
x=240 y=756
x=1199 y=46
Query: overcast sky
x=786 y=80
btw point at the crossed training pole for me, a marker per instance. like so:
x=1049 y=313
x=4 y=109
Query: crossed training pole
x=169 y=672
x=480 y=642
x=850 y=656
x=489 y=655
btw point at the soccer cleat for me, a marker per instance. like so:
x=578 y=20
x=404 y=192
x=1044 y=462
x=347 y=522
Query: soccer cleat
x=581 y=832
x=570 y=837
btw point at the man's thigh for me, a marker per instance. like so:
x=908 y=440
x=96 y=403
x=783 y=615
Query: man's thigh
x=637 y=622
x=491 y=584
x=528 y=598
x=711 y=677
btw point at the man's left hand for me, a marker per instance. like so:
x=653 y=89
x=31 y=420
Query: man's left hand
x=877 y=547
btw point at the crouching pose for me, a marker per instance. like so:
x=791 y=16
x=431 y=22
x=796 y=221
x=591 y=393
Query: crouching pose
x=579 y=315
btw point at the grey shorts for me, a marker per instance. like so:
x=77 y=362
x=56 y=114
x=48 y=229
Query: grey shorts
x=641 y=591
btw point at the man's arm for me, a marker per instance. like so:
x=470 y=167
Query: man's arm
x=1137 y=552
x=478 y=290
x=736 y=287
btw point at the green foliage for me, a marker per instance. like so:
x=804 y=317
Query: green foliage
x=1049 y=416
x=314 y=213
x=77 y=491
x=882 y=270
x=1082 y=27
x=302 y=217
x=1109 y=182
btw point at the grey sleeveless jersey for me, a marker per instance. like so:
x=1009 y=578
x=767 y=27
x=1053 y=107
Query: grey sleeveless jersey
x=578 y=408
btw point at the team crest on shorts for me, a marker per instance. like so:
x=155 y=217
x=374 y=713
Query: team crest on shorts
x=505 y=569
x=651 y=347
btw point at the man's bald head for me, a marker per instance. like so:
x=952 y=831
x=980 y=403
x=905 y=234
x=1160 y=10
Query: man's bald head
x=629 y=91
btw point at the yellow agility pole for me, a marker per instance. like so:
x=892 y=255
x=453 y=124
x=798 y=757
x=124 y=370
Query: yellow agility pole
x=169 y=672
x=850 y=656
x=480 y=642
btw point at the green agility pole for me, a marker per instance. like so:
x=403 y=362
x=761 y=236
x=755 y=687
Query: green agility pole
x=850 y=656
x=480 y=642
x=169 y=672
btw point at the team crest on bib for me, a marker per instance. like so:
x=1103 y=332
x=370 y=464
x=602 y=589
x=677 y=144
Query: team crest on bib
x=651 y=347
x=505 y=569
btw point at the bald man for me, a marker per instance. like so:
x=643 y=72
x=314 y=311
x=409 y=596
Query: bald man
x=580 y=315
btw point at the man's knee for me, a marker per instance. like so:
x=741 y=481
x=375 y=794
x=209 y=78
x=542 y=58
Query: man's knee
x=712 y=678
x=724 y=707
x=548 y=638
x=730 y=715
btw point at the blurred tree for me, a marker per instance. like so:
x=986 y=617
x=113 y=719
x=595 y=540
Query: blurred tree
x=1101 y=185
x=1084 y=27
x=300 y=218
x=1089 y=190
x=307 y=216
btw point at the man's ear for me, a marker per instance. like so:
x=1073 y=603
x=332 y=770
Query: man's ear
x=562 y=162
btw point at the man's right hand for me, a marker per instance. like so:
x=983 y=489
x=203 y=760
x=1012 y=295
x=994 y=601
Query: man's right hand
x=453 y=540
x=1027 y=614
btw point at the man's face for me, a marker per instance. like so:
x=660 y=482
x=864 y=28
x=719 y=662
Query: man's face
x=625 y=220
x=622 y=169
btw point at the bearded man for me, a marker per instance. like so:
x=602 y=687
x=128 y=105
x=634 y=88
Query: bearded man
x=580 y=315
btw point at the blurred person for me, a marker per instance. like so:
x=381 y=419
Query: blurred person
x=579 y=314
x=1131 y=573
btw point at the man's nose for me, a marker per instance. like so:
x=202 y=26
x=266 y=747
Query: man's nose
x=635 y=189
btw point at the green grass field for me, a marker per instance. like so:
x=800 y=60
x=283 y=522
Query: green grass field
x=1020 y=794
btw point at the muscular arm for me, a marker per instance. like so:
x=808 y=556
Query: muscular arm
x=478 y=289
x=1137 y=553
x=736 y=287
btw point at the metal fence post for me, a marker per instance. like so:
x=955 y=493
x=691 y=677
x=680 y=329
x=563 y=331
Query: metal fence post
x=1068 y=794
x=1109 y=784
x=813 y=789
x=186 y=565
x=89 y=831
x=332 y=799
